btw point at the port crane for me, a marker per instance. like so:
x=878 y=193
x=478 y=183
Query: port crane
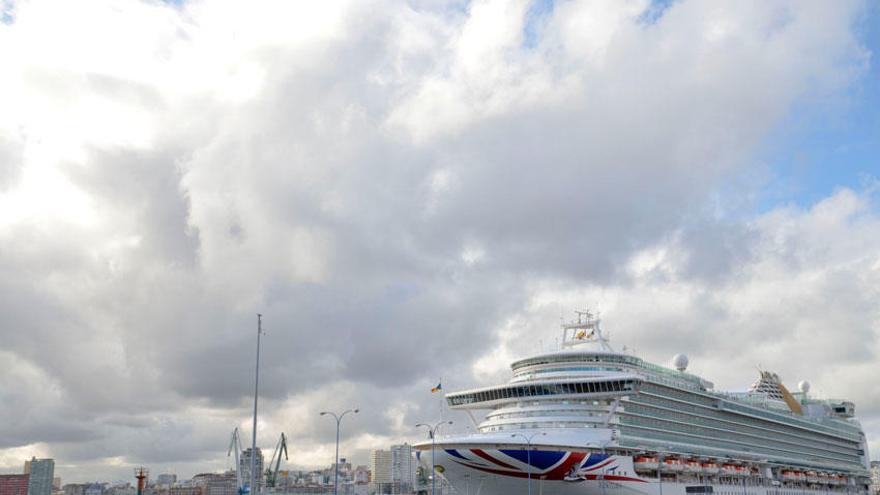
x=275 y=463
x=235 y=445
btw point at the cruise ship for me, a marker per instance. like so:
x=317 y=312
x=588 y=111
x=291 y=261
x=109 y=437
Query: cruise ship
x=586 y=419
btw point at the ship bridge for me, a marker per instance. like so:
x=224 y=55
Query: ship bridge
x=584 y=388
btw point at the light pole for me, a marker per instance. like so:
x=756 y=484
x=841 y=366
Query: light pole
x=338 y=419
x=528 y=440
x=431 y=431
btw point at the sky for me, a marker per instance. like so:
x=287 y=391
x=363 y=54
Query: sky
x=413 y=192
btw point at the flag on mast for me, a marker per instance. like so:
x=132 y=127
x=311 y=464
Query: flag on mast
x=438 y=388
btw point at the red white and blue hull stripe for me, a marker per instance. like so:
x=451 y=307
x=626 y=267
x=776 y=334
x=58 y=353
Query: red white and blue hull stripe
x=542 y=464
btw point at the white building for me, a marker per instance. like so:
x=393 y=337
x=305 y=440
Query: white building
x=394 y=470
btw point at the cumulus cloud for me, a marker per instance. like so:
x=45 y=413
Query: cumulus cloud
x=406 y=192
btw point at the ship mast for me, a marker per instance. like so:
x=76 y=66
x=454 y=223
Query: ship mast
x=586 y=330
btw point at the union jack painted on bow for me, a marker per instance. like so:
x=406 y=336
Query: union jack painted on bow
x=543 y=464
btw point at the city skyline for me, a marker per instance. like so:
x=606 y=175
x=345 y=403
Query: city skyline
x=411 y=193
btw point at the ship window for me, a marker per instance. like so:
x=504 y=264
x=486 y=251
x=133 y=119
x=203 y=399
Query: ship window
x=579 y=388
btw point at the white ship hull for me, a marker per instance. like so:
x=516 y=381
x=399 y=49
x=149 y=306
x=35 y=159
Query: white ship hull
x=473 y=471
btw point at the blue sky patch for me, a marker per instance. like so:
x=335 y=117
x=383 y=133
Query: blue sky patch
x=818 y=150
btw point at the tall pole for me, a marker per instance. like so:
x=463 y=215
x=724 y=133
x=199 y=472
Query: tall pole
x=338 y=419
x=431 y=431
x=254 y=488
x=336 y=464
x=528 y=440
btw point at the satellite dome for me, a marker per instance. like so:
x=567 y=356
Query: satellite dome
x=804 y=386
x=680 y=361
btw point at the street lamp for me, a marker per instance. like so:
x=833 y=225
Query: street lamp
x=431 y=431
x=338 y=419
x=528 y=440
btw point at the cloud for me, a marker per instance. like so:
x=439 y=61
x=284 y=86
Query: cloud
x=391 y=185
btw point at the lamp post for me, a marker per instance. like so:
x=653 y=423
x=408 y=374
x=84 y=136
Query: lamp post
x=338 y=419
x=528 y=440
x=431 y=431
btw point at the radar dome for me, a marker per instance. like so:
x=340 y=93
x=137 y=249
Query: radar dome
x=680 y=361
x=804 y=386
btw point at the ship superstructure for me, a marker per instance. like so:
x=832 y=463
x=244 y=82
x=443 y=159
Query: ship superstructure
x=605 y=421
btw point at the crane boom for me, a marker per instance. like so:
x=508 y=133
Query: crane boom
x=235 y=445
x=275 y=463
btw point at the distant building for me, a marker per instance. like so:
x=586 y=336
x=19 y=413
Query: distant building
x=216 y=483
x=121 y=489
x=56 y=483
x=403 y=468
x=75 y=488
x=245 y=467
x=361 y=475
x=42 y=473
x=14 y=484
x=875 y=477
x=394 y=470
x=380 y=465
x=166 y=479
x=94 y=489
x=185 y=490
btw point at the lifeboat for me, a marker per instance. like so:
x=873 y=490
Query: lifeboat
x=711 y=468
x=692 y=467
x=645 y=463
x=789 y=475
x=823 y=478
x=673 y=465
x=801 y=476
x=728 y=469
x=741 y=471
x=812 y=477
x=840 y=480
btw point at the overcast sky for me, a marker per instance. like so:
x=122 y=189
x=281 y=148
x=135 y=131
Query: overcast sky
x=410 y=191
